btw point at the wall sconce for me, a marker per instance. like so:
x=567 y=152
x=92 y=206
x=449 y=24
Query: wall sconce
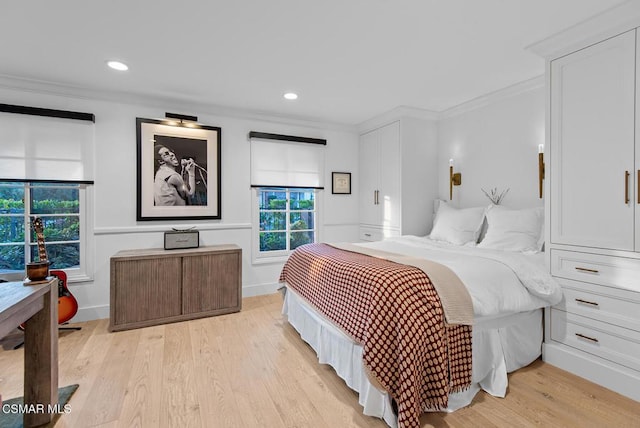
x=540 y=168
x=455 y=179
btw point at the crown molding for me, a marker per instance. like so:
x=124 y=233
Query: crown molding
x=492 y=97
x=71 y=91
x=396 y=114
x=609 y=23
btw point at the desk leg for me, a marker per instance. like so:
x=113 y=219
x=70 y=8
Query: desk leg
x=41 y=360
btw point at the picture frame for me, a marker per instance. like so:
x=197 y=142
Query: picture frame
x=341 y=183
x=171 y=157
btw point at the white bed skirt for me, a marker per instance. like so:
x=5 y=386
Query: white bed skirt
x=500 y=346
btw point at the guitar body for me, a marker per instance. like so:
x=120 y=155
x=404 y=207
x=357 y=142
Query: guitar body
x=67 y=304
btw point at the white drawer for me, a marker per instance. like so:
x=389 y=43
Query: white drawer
x=370 y=234
x=597 y=269
x=606 y=304
x=375 y=233
x=617 y=344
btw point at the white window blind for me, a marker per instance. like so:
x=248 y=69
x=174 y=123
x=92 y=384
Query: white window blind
x=281 y=163
x=46 y=148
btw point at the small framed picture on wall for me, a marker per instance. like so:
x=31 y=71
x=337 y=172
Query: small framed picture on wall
x=341 y=183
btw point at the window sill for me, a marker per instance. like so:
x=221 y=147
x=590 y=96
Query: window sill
x=266 y=260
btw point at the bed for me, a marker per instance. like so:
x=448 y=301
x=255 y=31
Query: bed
x=507 y=285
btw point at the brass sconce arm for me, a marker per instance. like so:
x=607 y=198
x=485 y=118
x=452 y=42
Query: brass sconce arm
x=455 y=179
x=540 y=172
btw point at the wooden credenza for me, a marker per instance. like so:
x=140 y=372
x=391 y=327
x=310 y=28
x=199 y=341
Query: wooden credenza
x=157 y=286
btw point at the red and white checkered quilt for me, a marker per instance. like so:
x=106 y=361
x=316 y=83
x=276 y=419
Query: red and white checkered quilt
x=394 y=312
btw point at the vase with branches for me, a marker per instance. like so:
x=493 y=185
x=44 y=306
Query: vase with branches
x=494 y=196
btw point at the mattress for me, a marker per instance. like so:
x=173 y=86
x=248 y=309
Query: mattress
x=501 y=344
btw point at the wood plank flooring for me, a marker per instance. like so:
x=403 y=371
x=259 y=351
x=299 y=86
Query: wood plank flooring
x=252 y=369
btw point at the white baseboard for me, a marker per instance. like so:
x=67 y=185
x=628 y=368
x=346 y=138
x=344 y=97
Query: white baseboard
x=617 y=378
x=91 y=313
x=260 y=289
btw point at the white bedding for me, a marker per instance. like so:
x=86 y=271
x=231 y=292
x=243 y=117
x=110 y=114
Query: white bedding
x=507 y=290
x=499 y=282
x=500 y=345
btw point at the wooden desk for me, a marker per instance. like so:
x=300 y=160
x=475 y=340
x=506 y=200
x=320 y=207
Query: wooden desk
x=37 y=307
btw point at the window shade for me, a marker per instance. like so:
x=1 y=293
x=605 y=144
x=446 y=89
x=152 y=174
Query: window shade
x=45 y=148
x=286 y=164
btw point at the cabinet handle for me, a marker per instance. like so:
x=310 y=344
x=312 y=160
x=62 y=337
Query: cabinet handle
x=626 y=187
x=586 y=302
x=587 y=270
x=368 y=235
x=587 y=337
x=377 y=197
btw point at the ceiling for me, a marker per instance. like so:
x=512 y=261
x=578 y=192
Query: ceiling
x=349 y=60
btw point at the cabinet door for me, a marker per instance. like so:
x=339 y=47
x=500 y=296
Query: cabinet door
x=636 y=183
x=592 y=145
x=211 y=282
x=146 y=289
x=368 y=182
x=389 y=195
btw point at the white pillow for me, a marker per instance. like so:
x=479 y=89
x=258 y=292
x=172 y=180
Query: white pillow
x=513 y=230
x=457 y=226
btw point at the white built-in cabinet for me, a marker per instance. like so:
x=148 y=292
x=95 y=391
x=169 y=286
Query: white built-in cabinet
x=397 y=179
x=594 y=206
x=592 y=150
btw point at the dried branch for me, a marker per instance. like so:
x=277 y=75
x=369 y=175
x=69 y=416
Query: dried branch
x=494 y=196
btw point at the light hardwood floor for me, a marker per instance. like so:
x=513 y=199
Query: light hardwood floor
x=251 y=369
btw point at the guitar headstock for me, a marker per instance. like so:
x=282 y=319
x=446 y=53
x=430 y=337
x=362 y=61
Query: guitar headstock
x=37 y=225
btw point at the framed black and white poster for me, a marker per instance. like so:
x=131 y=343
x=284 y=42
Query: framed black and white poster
x=178 y=170
x=341 y=183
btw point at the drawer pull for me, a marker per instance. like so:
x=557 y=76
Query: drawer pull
x=581 y=269
x=626 y=187
x=586 y=302
x=367 y=234
x=587 y=338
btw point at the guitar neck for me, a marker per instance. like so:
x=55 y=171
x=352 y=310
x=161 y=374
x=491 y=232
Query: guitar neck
x=42 y=250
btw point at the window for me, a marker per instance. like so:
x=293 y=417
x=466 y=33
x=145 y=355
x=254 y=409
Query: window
x=62 y=208
x=287 y=219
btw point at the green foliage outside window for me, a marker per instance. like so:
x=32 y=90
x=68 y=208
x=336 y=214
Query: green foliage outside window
x=61 y=232
x=276 y=210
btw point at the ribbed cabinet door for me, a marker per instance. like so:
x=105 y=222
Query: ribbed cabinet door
x=211 y=282
x=148 y=289
x=592 y=145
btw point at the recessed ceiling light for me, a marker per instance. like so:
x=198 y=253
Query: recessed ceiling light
x=291 y=96
x=117 y=65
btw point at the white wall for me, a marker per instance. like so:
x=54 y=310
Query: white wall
x=494 y=145
x=114 y=192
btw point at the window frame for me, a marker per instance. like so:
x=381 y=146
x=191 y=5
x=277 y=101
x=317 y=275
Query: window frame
x=278 y=256
x=84 y=271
